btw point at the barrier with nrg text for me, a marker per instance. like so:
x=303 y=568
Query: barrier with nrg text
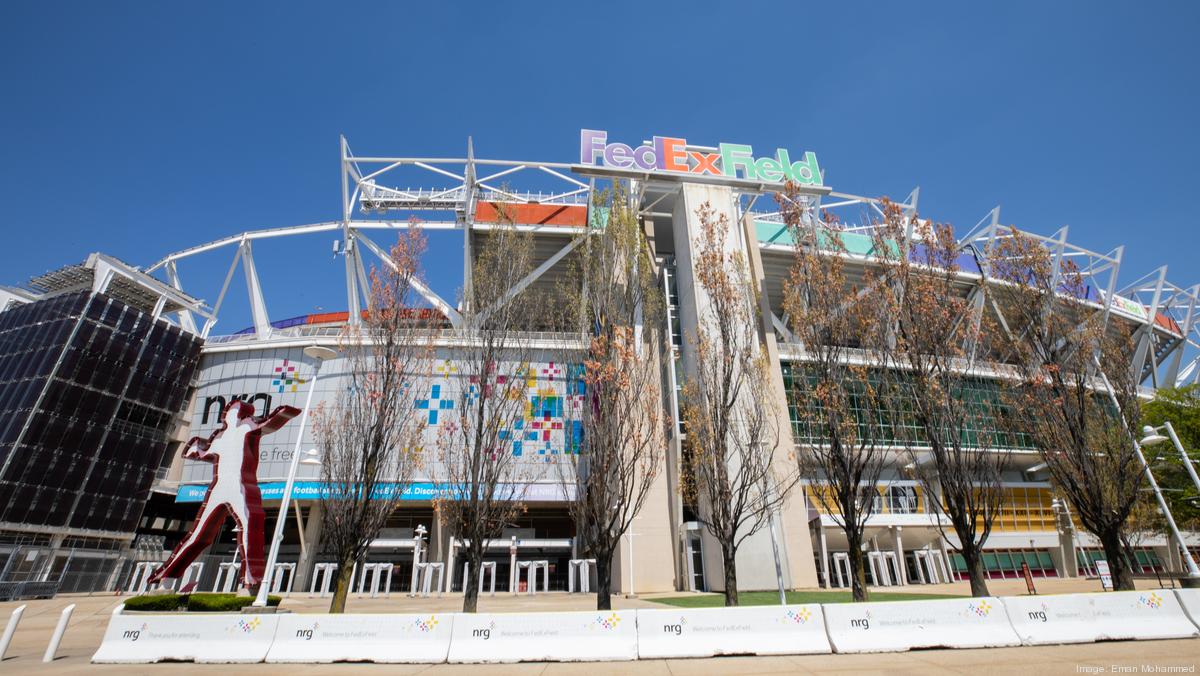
x=1102 y=616
x=904 y=625
x=616 y=635
x=545 y=637
x=193 y=637
x=413 y=639
x=754 y=630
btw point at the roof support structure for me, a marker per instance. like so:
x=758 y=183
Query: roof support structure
x=1171 y=376
x=434 y=299
x=460 y=184
x=351 y=251
x=258 y=306
x=186 y=320
x=1144 y=336
x=530 y=278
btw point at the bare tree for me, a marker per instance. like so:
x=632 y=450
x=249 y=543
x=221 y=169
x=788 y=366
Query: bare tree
x=618 y=404
x=938 y=337
x=371 y=438
x=731 y=432
x=844 y=391
x=1078 y=414
x=480 y=476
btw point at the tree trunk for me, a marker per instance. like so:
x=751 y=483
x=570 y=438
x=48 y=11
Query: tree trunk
x=603 y=581
x=973 y=557
x=471 y=581
x=729 y=562
x=341 y=588
x=1118 y=565
x=858 y=575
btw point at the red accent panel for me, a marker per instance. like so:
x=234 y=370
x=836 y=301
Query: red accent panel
x=532 y=214
x=1166 y=322
x=328 y=317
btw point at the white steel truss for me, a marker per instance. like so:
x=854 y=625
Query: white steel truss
x=1167 y=315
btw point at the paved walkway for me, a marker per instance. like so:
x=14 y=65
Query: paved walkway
x=92 y=614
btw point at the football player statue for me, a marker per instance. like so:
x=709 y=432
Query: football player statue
x=233 y=450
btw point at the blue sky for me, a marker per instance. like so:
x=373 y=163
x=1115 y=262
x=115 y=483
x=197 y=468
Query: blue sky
x=140 y=129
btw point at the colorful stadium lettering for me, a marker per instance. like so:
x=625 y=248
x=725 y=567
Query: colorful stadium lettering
x=666 y=153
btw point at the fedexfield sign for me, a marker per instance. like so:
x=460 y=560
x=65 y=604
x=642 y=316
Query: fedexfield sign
x=665 y=153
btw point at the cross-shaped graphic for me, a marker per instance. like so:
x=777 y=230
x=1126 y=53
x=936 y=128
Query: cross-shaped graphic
x=286 y=376
x=434 y=404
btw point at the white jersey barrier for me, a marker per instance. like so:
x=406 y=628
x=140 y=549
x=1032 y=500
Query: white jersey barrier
x=753 y=630
x=143 y=638
x=1103 y=616
x=607 y=635
x=896 y=626
x=1190 y=600
x=423 y=639
x=194 y=637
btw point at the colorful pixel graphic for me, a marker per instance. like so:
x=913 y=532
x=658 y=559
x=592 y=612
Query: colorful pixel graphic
x=801 y=616
x=553 y=394
x=609 y=622
x=248 y=627
x=286 y=378
x=1151 y=600
x=434 y=403
x=982 y=609
x=427 y=625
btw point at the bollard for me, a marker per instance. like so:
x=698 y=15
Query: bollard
x=61 y=629
x=10 y=630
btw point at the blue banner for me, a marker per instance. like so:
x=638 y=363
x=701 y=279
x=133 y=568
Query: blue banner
x=312 y=490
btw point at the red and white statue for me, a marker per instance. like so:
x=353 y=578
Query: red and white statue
x=233 y=451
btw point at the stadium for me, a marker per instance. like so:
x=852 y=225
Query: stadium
x=93 y=504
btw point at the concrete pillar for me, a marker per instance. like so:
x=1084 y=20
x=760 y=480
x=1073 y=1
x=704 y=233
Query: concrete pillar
x=824 y=556
x=755 y=562
x=312 y=544
x=1066 y=560
x=512 y=566
x=901 y=569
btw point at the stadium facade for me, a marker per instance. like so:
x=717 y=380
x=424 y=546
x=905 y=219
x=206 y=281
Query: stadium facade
x=669 y=179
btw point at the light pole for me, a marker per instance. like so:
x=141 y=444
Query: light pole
x=1153 y=437
x=629 y=537
x=774 y=543
x=318 y=354
x=1193 y=571
x=1193 y=576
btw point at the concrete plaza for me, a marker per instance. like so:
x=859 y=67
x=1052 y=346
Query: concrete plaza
x=92 y=614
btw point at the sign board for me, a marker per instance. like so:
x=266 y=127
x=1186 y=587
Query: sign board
x=674 y=156
x=420 y=491
x=607 y=635
x=905 y=625
x=1105 y=576
x=362 y=638
x=186 y=637
x=1100 y=616
x=707 y=632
